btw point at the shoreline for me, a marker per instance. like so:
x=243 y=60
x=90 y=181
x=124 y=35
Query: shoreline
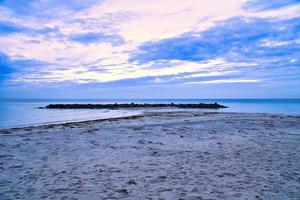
x=50 y=125
x=46 y=125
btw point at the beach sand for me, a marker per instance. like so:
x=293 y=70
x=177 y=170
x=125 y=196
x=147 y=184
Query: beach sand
x=165 y=155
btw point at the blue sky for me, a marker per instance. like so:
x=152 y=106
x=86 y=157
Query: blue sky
x=150 y=49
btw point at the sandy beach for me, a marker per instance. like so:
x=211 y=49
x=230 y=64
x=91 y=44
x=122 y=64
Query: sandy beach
x=157 y=155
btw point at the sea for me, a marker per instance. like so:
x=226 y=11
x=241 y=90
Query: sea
x=16 y=113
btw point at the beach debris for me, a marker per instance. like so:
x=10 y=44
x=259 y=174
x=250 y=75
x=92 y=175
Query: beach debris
x=94 y=142
x=142 y=141
x=162 y=177
x=124 y=191
x=131 y=182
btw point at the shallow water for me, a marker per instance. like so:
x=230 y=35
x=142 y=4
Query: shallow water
x=25 y=112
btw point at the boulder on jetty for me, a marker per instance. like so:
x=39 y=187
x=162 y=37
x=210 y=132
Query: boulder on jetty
x=133 y=105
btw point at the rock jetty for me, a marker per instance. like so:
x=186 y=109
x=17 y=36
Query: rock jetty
x=133 y=105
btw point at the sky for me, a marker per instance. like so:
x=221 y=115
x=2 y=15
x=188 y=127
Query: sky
x=149 y=49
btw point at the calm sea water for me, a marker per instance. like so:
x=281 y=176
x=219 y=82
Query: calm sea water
x=22 y=112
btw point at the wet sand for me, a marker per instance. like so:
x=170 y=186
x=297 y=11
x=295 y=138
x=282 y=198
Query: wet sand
x=166 y=155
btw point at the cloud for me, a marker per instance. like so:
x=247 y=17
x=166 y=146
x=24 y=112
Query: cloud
x=262 y=5
x=5 y=68
x=7 y=28
x=18 y=6
x=221 y=81
x=10 y=65
x=169 y=18
x=238 y=39
x=44 y=8
x=135 y=43
x=90 y=37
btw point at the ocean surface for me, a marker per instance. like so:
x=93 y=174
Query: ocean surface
x=25 y=112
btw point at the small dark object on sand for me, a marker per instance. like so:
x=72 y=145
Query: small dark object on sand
x=133 y=105
x=131 y=182
x=124 y=191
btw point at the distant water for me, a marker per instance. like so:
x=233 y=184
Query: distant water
x=22 y=112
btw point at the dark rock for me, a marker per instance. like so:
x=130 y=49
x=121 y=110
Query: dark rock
x=162 y=177
x=124 y=191
x=131 y=182
x=142 y=141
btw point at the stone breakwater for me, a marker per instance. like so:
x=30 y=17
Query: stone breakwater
x=133 y=105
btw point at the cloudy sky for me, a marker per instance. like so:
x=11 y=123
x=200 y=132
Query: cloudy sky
x=150 y=48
